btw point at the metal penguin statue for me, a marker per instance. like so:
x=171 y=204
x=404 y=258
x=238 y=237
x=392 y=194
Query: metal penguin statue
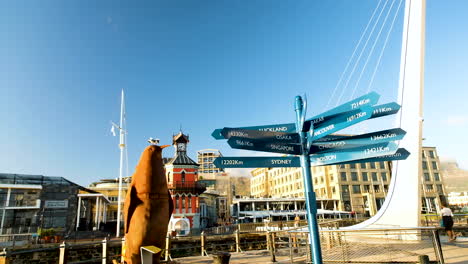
x=148 y=206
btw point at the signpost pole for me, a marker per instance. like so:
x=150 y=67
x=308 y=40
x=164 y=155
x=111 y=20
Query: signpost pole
x=311 y=204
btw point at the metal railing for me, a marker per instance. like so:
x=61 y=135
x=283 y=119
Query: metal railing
x=434 y=219
x=394 y=245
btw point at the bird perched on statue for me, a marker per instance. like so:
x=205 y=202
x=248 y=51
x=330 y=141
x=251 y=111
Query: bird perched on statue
x=153 y=141
x=148 y=206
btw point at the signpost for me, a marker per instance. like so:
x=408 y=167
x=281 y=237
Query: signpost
x=256 y=162
x=314 y=144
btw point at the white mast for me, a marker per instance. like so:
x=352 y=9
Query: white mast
x=122 y=147
x=403 y=198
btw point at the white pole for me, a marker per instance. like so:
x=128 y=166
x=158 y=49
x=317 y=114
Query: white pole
x=121 y=146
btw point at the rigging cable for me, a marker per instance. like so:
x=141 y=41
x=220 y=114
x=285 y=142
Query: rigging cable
x=360 y=55
x=384 y=46
x=369 y=55
x=352 y=56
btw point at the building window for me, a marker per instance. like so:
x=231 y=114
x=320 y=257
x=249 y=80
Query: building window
x=382 y=165
x=366 y=188
x=424 y=165
x=352 y=165
x=436 y=176
x=429 y=187
x=372 y=165
x=364 y=176
x=427 y=177
x=169 y=177
x=439 y=188
x=344 y=189
x=363 y=165
x=182 y=176
x=384 y=176
x=176 y=198
x=431 y=154
x=434 y=165
x=333 y=189
x=343 y=176
x=377 y=188
x=374 y=176
x=356 y=188
x=183 y=201
x=423 y=154
x=189 y=201
x=354 y=176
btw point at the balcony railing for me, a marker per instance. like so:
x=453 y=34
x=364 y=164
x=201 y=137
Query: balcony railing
x=191 y=186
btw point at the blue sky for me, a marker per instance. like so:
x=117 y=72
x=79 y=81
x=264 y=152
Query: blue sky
x=200 y=65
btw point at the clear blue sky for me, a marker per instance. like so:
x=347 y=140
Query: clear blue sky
x=200 y=65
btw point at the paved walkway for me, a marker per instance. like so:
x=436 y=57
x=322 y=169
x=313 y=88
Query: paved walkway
x=454 y=253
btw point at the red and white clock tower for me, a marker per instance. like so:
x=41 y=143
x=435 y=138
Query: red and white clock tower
x=182 y=180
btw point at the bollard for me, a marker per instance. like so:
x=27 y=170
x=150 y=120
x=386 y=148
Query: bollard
x=104 y=250
x=272 y=247
x=221 y=257
x=424 y=259
x=167 y=254
x=202 y=240
x=238 y=249
x=62 y=259
x=4 y=257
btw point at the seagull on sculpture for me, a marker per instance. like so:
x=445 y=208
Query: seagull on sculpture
x=153 y=141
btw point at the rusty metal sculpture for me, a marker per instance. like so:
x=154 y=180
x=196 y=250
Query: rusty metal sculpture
x=148 y=206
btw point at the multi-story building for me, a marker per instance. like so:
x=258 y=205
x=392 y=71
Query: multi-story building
x=245 y=210
x=182 y=181
x=433 y=190
x=205 y=159
x=29 y=202
x=360 y=187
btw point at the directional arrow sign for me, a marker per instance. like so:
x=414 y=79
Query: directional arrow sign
x=256 y=162
x=400 y=154
x=342 y=121
x=261 y=135
x=260 y=145
x=369 y=99
x=344 y=142
x=385 y=109
x=345 y=155
x=284 y=128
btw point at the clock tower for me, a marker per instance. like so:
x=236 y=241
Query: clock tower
x=182 y=181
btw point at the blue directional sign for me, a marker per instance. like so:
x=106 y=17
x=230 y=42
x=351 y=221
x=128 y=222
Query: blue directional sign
x=284 y=128
x=343 y=142
x=315 y=135
x=369 y=99
x=267 y=146
x=400 y=154
x=345 y=155
x=342 y=121
x=385 y=109
x=260 y=135
x=256 y=162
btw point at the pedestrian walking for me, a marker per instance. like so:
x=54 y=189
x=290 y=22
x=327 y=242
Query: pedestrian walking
x=447 y=222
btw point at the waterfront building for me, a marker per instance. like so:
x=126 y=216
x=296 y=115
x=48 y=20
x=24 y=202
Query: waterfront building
x=29 y=202
x=359 y=187
x=458 y=199
x=249 y=209
x=182 y=181
x=109 y=188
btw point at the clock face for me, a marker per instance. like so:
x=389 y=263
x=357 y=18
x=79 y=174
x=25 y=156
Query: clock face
x=181 y=147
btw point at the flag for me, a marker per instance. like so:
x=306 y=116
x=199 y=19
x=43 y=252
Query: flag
x=113 y=130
